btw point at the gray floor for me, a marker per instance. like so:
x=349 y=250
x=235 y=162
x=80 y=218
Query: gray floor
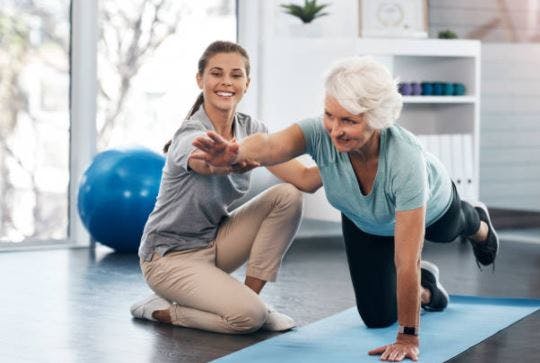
x=72 y=305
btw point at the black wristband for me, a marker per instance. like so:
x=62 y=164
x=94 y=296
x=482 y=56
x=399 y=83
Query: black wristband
x=408 y=330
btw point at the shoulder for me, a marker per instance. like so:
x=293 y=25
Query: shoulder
x=189 y=127
x=311 y=127
x=249 y=124
x=192 y=124
x=404 y=155
x=401 y=144
x=318 y=142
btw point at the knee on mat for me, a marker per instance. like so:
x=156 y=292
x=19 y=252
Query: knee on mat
x=378 y=320
x=248 y=320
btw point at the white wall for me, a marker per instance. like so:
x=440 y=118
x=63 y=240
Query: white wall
x=510 y=107
x=510 y=128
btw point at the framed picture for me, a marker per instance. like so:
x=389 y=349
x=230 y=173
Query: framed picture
x=393 y=18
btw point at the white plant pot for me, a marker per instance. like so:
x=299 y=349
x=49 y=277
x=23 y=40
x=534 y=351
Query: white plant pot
x=306 y=30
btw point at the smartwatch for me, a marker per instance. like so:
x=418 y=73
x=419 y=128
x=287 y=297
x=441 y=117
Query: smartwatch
x=408 y=330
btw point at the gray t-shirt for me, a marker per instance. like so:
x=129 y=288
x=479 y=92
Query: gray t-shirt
x=189 y=206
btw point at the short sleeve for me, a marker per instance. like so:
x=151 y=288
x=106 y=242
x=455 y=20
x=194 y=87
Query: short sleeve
x=181 y=146
x=311 y=128
x=248 y=126
x=259 y=126
x=410 y=180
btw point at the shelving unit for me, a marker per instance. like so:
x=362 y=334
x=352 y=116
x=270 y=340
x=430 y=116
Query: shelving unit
x=291 y=89
x=439 y=99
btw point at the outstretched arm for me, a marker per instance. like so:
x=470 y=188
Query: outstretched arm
x=201 y=167
x=264 y=149
x=306 y=179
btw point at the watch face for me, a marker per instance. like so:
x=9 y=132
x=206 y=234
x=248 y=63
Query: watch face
x=409 y=330
x=390 y=14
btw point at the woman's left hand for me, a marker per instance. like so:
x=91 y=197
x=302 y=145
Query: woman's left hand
x=215 y=150
x=406 y=346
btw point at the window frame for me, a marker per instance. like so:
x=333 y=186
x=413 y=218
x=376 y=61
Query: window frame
x=82 y=115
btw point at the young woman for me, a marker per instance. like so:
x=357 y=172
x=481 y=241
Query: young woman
x=391 y=193
x=191 y=242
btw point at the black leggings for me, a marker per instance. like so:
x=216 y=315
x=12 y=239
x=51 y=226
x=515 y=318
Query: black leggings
x=371 y=260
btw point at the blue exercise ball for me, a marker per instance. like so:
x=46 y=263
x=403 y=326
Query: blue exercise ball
x=117 y=193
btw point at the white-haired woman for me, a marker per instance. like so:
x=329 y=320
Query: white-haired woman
x=390 y=191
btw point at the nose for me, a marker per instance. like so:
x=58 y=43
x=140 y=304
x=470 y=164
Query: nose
x=227 y=81
x=336 y=130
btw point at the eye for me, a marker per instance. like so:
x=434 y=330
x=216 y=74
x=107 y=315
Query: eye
x=348 y=121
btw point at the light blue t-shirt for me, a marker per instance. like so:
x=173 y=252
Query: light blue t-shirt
x=407 y=178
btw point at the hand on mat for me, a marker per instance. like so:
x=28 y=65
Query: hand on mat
x=404 y=347
x=215 y=150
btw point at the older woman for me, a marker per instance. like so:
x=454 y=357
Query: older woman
x=392 y=194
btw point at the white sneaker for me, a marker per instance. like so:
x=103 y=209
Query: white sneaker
x=145 y=308
x=277 y=321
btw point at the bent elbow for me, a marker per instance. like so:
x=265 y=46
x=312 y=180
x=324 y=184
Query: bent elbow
x=310 y=188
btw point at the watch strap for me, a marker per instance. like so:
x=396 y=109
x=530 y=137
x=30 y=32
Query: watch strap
x=408 y=330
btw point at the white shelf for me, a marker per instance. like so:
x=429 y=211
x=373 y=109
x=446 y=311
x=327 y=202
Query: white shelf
x=418 y=47
x=455 y=48
x=439 y=99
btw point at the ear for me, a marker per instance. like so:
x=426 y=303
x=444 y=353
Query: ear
x=247 y=84
x=198 y=78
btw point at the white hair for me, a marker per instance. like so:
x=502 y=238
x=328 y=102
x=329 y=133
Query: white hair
x=363 y=86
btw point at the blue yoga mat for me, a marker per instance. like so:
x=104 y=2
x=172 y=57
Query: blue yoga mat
x=344 y=337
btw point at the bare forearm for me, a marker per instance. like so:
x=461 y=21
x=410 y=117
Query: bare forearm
x=409 y=237
x=408 y=293
x=264 y=149
x=311 y=180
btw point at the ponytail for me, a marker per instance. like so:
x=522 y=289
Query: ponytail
x=198 y=102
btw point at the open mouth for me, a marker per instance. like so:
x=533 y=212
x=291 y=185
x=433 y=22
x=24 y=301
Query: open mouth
x=225 y=94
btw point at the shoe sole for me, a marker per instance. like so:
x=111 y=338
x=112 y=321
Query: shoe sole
x=428 y=266
x=285 y=327
x=490 y=226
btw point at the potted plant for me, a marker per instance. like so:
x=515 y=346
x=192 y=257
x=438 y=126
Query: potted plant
x=307 y=12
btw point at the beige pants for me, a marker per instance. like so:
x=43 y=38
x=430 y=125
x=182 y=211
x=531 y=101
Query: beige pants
x=205 y=296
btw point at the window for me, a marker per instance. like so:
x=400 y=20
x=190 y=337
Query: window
x=147 y=60
x=34 y=126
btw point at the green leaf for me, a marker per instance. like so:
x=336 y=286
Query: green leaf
x=309 y=11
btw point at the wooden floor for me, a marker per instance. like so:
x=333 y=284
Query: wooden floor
x=73 y=305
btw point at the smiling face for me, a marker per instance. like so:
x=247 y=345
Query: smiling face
x=224 y=81
x=349 y=132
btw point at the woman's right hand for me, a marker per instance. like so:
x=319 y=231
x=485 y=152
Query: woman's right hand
x=217 y=151
x=244 y=166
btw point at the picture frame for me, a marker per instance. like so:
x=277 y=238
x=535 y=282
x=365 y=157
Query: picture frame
x=393 y=18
